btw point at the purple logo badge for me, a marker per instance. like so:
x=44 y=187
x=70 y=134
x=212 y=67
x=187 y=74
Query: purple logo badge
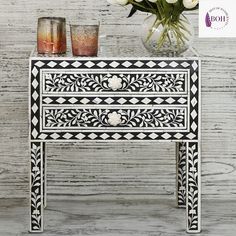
x=208 y=20
x=216 y=18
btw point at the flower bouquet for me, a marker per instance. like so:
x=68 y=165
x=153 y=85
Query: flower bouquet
x=166 y=31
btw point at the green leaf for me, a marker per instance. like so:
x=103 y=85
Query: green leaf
x=177 y=10
x=145 y=6
x=139 y=8
x=132 y=11
x=168 y=8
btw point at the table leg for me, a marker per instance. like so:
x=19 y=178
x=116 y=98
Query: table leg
x=44 y=176
x=193 y=177
x=181 y=174
x=36 y=187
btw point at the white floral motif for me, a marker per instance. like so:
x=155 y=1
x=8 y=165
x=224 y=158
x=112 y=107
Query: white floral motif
x=115 y=83
x=114 y=118
x=35 y=168
x=48 y=76
x=36 y=212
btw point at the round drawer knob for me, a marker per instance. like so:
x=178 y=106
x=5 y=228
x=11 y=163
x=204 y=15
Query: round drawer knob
x=114 y=118
x=115 y=83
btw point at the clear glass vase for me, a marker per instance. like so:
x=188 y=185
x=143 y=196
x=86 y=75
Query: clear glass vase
x=167 y=37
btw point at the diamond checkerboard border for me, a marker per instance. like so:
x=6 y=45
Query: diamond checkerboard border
x=191 y=64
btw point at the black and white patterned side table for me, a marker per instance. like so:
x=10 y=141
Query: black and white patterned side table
x=117 y=99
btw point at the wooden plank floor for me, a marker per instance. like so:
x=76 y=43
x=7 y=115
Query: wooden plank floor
x=118 y=216
x=105 y=168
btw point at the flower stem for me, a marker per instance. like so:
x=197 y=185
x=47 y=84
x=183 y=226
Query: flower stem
x=178 y=30
x=156 y=24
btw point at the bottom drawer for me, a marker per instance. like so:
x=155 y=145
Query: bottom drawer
x=83 y=118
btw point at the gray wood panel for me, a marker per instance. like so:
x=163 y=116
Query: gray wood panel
x=103 y=168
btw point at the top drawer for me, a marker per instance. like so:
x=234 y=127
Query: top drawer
x=107 y=81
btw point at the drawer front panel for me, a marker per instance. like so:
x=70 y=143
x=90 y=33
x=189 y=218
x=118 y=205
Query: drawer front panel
x=92 y=81
x=112 y=99
x=119 y=118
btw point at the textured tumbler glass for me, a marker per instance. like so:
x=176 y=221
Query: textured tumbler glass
x=51 y=35
x=84 y=40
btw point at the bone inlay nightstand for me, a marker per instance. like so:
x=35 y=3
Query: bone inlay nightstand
x=145 y=99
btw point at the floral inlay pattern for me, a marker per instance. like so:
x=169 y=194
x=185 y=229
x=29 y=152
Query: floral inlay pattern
x=108 y=118
x=193 y=186
x=36 y=200
x=116 y=100
x=115 y=82
x=114 y=118
x=145 y=82
x=182 y=174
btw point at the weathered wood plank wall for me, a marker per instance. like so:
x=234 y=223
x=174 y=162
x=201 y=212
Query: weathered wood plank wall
x=104 y=168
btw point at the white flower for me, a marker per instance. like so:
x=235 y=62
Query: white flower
x=138 y=0
x=48 y=76
x=35 y=212
x=189 y=4
x=115 y=82
x=114 y=118
x=35 y=168
x=172 y=1
x=118 y=2
x=152 y=0
x=192 y=211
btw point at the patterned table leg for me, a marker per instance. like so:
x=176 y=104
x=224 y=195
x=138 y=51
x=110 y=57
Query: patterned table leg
x=36 y=187
x=44 y=176
x=181 y=174
x=193 y=201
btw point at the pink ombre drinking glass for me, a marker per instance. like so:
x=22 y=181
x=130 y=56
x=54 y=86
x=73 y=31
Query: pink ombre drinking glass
x=84 y=40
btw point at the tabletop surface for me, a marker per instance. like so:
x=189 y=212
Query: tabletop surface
x=110 y=51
